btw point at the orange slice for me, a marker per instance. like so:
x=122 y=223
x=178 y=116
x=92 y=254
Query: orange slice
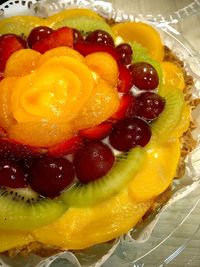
x=21 y=62
x=104 y=65
x=143 y=34
x=172 y=75
x=158 y=172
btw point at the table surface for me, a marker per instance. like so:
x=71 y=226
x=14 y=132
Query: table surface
x=190 y=255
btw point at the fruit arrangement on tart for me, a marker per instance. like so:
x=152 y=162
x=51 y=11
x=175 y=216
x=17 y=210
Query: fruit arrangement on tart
x=91 y=117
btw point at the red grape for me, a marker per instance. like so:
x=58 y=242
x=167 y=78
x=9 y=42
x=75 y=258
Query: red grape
x=77 y=36
x=100 y=37
x=93 y=161
x=37 y=34
x=129 y=133
x=144 y=76
x=125 y=51
x=150 y=105
x=49 y=176
x=12 y=174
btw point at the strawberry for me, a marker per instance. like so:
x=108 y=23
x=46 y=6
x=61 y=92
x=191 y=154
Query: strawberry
x=86 y=48
x=8 y=45
x=98 y=132
x=60 y=37
x=125 y=79
x=67 y=147
x=11 y=149
x=126 y=102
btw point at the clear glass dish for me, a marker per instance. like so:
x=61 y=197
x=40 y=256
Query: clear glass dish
x=178 y=225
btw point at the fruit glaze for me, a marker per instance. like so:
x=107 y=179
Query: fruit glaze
x=91 y=117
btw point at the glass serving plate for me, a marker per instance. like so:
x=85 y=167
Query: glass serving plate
x=166 y=239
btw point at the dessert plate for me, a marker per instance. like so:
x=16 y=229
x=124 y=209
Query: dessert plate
x=141 y=246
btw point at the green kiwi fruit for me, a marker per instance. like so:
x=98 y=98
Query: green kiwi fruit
x=140 y=54
x=123 y=171
x=23 y=209
x=84 y=24
x=167 y=121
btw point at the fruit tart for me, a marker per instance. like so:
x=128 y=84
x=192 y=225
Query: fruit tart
x=93 y=118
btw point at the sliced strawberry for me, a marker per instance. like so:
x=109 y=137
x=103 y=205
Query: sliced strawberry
x=126 y=102
x=11 y=149
x=67 y=147
x=86 y=48
x=125 y=79
x=60 y=37
x=98 y=132
x=8 y=45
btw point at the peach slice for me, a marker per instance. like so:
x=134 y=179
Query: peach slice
x=58 y=52
x=92 y=225
x=6 y=87
x=21 y=62
x=143 y=34
x=104 y=65
x=13 y=239
x=158 y=173
x=41 y=134
x=102 y=103
x=184 y=123
x=172 y=75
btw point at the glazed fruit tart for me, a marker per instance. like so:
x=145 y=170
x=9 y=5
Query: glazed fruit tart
x=92 y=117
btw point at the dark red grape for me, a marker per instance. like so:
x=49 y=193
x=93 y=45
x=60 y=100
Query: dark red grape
x=100 y=37
x=129 y=133
x=12 y=174
x=37 y=34
x=150 y=105
x=49 y=176
x=19 y=38
x=125 y=52
x=93 y=161
x=144 y=76
x=77 y=36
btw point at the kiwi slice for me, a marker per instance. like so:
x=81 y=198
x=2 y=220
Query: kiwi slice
x=164 y=125
x=140 y=54
x=84 y=24
x=23 y=209
x=123 y=171
x=20 y=25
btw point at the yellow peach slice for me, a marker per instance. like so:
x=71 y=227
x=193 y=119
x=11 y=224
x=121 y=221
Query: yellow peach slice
x=143 y=34
x=40 y=134
x=104 y=65
x=21 y=62
x=184 y=123
x=102 y=103
x=58 y=52
x=172 y=75
x=158 y=172
x=12 y=239
x=92 y=225
x=6 y=117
